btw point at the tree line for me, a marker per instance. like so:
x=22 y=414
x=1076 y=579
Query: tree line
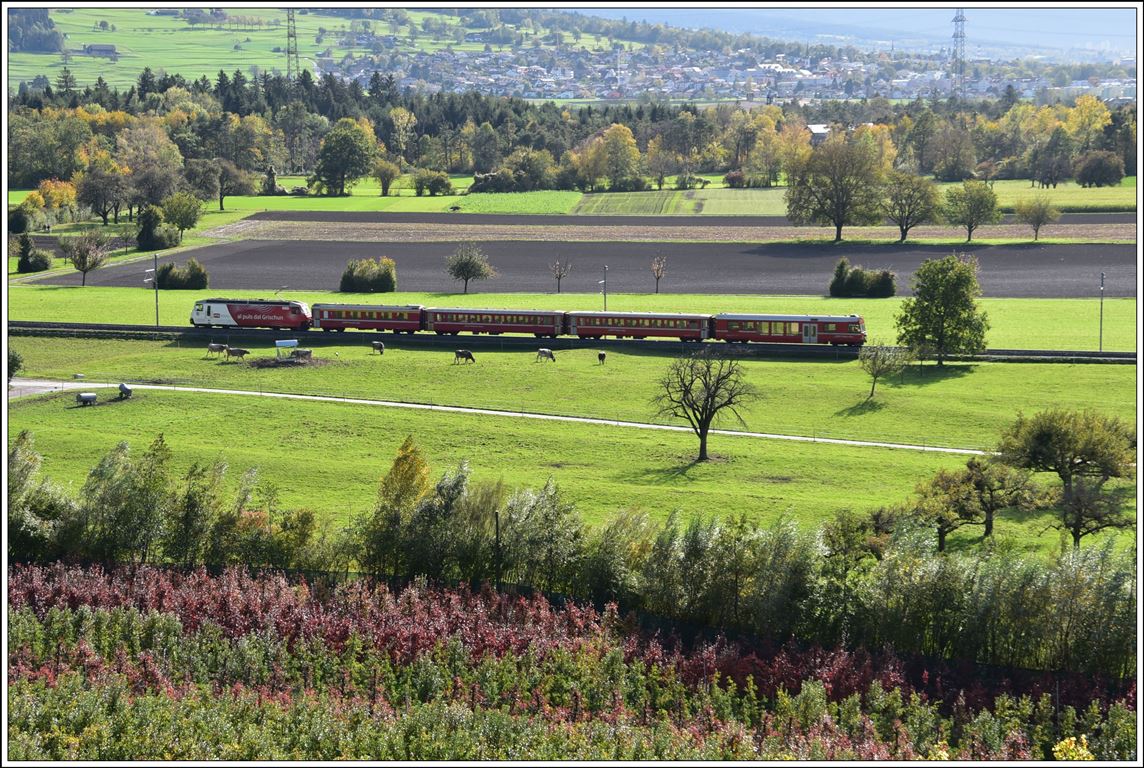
x=873 y=580
x=258 y=121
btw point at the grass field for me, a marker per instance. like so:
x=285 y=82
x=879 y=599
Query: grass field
x=714 y=201
x=170 y=44
x=964 y=405
x=1015 y=323
x=598 y=468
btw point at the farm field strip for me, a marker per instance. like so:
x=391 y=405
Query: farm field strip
x=962 y=406
x=1052 y=324
x=570 y=232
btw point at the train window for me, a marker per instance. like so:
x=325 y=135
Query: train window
x=854 y=328
x=198 y=307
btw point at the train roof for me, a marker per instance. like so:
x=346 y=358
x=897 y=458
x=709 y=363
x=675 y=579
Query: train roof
x=478 y=310
x=820 y=318
x=367 y=306
x=640 y=314
x=282 y=302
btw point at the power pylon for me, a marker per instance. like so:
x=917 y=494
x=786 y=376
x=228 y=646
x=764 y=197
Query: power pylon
x=292 y=68
x=959 y=54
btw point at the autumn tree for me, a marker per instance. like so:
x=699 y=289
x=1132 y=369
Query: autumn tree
x=700 y=388
x=233 y=180
x=910 y=200
x=838 y=184
x=942 y=316
x=468 y=262
x=622 y=156
x=1085 y=449
x=971 y=205
x=380 y=533
x=1086 y=122
x=1036 y=212
x=86 y=251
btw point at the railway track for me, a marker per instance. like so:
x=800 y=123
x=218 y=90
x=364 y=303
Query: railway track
x=423 y=340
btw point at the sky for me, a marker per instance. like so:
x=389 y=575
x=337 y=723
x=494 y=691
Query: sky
x=1113 y=28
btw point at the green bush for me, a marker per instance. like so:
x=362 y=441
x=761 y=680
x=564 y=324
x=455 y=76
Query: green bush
x=153 y=233
x=435 y=182
x=19 y=221
x=368 y=276
x=15 y=363
x=853 y=282
x=30 y=258
x=191 y=277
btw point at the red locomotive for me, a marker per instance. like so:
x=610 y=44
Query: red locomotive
x=251 y=313
x=410 y=318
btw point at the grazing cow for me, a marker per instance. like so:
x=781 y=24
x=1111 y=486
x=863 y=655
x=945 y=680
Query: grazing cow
x=463 y=354
x=216 y=349
x=86 y=398
x=601 y=356
x=378 y=347
x=302 y=354
x=124 y=391
x=545 y=354
x=238 y=352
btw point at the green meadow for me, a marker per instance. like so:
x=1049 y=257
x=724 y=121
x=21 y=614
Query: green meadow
x=253 y=40
x=330 y=457
x=714 y=201
x=963 y=405
x=1072 y=324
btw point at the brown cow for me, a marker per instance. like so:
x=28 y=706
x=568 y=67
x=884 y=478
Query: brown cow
x=463 y=354
x=238 y=352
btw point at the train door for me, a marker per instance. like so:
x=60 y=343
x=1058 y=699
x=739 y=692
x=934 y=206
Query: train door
x=810 y=333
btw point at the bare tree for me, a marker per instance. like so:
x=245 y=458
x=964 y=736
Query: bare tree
x=880 y=361
x=560 y=270
x=86 y=251
x=699 y=388
x=658 y=269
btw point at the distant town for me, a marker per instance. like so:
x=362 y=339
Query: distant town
x=654 y=73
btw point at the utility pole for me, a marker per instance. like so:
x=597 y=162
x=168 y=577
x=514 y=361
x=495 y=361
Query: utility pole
x=292 y=68
x=1101 y=349
x=959 y=54
x=604 y=283
x=154 y=280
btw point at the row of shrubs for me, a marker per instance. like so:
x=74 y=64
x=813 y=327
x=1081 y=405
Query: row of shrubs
x=857 y=282
x=1072 y=612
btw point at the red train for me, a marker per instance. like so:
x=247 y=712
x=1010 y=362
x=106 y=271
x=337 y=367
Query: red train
x=847 y=330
